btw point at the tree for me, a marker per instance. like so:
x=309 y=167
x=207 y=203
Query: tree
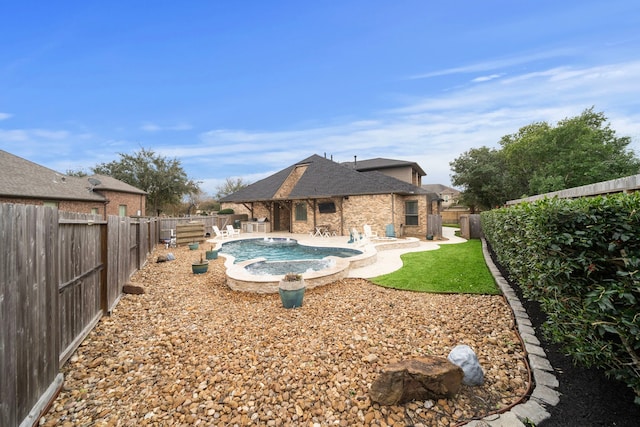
x=163 y=179
x=541 y=158
x=480 y=172
x=230 y=186
x=80 y=173
x=578 y=151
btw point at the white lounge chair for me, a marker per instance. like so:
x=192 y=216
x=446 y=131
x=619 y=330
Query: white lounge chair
x=219 y=233
x=232 y=231
x=368 y=233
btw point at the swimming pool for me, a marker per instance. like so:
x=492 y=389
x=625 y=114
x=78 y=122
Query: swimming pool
x=280 y=249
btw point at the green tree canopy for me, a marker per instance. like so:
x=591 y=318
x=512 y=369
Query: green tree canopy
x=541 y=158
x=481 y=172
x=163 y=179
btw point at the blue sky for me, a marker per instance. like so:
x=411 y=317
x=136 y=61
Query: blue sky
x=246 y=88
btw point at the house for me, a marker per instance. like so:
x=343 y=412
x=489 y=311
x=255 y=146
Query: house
x=410 y=172
x=25 y=182
x=318 y=192
x=450 y=196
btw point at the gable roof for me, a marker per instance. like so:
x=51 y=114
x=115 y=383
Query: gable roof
x=112 y=184
x=439 y=188
x=319 y=177
x=20 y=178
x=382 y=163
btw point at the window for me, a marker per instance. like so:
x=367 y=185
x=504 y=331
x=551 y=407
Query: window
x=95 y=211
x=50 y=204
x=301 y=211
x=411 y=212
x=122 y=210
x=327 y=207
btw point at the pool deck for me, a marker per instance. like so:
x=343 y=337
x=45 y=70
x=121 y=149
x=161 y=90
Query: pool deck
x=380 y=256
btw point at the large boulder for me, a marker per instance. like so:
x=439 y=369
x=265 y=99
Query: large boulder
x=422 y=378
x=464 y=356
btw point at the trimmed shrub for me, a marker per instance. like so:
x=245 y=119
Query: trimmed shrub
x=581 y=260
x=227 y=211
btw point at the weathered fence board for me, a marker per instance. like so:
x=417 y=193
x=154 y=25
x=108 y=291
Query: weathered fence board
x=59 y=273
x=28 y=309
x=470 y=227
x=80 y=285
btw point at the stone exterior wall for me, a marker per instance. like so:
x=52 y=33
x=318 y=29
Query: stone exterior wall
x=354 y=212
x=290 y=182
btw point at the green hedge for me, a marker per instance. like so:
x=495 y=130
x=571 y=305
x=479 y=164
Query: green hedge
x=580 y=259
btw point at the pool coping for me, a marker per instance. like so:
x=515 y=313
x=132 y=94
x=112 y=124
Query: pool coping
x=239 y=279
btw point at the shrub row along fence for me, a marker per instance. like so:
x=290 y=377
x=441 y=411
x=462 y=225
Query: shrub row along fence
x=60 y=272
x=581 y=260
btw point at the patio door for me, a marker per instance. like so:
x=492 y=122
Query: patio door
x=281 y=217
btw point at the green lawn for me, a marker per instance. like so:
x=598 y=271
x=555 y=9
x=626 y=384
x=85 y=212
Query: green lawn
x=457 y=268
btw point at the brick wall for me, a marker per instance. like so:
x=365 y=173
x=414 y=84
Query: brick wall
x=354 y=212
x=134 y=202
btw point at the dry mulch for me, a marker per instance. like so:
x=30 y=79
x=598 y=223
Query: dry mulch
x=190 y=351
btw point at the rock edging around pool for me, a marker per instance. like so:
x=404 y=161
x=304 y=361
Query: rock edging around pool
x=239 y=279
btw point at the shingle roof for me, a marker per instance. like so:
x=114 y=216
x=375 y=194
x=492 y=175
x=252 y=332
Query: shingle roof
x=110 y=183
x=21 y=178
x=438 y=188
x=323 y=178
x=382 y=163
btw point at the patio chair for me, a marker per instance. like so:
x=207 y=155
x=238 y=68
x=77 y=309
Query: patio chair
x=219 y=233
x=368 y=233
x=232 y=231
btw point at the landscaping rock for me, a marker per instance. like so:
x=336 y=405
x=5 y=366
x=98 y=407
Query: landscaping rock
x=423 y=378
x=464 y=357
x=132 y=289
x=190 y=351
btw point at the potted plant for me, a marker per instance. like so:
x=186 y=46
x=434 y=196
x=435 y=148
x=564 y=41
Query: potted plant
x=291 y=290
x=193 y=246
x=201 y=266
x=211 y=253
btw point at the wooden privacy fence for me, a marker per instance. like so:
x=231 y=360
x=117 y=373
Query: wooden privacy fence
x=60 y=272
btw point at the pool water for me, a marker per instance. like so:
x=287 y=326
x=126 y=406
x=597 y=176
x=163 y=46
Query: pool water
x=280 y=249
x=280 y=268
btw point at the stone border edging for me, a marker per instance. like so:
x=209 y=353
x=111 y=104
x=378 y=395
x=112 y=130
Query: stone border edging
x=544 y=393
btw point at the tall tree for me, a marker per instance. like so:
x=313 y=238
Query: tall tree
x=541 y=158
x=578 y=151
x=481 y=174
x=163 y=179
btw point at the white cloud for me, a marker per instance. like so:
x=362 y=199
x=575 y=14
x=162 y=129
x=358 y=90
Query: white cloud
x=4 y=116
x=437 y=130
x=487 y=78
x=497 y=64
x=152 y=127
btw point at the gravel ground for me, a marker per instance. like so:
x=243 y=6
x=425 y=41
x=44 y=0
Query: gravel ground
x=192 y=352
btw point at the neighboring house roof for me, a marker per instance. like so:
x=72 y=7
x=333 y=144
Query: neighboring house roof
x=20 y=178
x=439 y=188
x=109 y=183
x=321 y=178
x=381 y=163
